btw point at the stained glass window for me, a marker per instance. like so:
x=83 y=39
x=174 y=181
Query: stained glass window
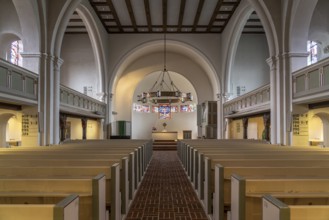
x=15 y=53
x=312 y=49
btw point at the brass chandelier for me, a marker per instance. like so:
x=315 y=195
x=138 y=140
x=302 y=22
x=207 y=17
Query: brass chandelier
x=164 y=90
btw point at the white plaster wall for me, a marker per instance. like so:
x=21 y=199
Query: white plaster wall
x=250 y=68
x=14 y=128
x=10 y=28
x=319 y=28
x=76 y=128
x=79 y=68
x=121 y=45
x=315 y=129
x=93 y=129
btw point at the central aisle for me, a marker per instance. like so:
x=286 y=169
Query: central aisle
x=166 y=192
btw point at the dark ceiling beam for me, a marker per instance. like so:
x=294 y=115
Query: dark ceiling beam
x=76 y=27
x=198 y=13
x=230 y=3
x=76 y=20
x=181 y=14
x=229 y=13
x=164 y=15
x=100 y=4
x=253 y=20
x=225 y=12
x=99 y=16
x=108 y=20
x=131 y=14
x=214 y=15
x=254 y=26
x=148 y=14
x=253 y=32
x=114 y=13
x=76 y=32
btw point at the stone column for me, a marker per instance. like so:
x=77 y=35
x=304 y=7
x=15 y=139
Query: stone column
x=275 y=101
x=49 y=102
x=220 y=117
x=84 y=128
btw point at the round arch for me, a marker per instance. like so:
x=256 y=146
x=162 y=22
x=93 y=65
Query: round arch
x=179 y=121
x=325 y=121
x=235 y=33
x=96 y=42
x=301 y=19
x=172 y=46
x=29 y=19
x=85 y=12
x=3 y=124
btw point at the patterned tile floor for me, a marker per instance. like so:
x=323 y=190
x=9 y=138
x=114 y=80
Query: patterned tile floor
x=166 y=192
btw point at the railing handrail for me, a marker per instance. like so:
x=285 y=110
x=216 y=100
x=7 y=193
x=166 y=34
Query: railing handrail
x=245 y=95
x=21 y=69
x=65 y=88
x=313 y=66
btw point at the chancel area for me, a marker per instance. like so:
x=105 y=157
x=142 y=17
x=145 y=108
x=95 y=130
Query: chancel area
x=164 y=109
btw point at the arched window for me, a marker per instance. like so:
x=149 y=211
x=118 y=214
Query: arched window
x=312 y=49
x=14 y=56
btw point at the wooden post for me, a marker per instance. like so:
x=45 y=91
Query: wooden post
x=62 y=125
x=245 y=128
x=267 y=124
x=84 y=128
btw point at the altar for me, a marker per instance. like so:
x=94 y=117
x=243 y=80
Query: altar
x=164 y=135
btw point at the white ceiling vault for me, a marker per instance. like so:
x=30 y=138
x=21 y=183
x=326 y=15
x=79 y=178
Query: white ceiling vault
x=159 y=16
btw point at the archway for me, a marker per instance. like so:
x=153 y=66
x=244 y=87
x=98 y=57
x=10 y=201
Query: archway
x=145 y=116
x=4 y=118
x=325 y=121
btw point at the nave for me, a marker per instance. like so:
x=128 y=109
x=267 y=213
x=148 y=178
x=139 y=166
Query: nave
x=166 y=192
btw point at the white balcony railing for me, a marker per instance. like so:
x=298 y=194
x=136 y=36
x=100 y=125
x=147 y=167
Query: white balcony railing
x=311 y=83
x=21 y=86
x=253 y=102
x=18 y=83
x=78 y=103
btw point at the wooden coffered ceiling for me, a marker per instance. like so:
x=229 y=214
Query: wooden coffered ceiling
x=170 y=16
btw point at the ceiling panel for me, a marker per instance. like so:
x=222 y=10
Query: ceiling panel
x=172 y=16
x=139 y=12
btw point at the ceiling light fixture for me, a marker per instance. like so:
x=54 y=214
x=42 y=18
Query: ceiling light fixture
x=164 y=90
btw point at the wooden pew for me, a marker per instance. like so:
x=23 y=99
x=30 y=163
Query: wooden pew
x=206 y=176
x=49 y=190
x=139 y=158
x=274 y=209
x=246 y=193
x=67 y=209
x=112 y=173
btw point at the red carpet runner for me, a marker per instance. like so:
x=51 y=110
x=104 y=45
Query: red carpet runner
x=165 y=192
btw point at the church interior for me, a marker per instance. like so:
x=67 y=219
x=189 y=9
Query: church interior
x=164 y=109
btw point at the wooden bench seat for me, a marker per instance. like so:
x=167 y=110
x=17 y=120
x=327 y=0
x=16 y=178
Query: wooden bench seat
x=246 y=193
x=112 y=173
x=123 y=162
x=49 y=190
x=68 y=208
x=274 y=209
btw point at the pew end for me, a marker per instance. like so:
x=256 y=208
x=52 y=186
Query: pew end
x=67 y=209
